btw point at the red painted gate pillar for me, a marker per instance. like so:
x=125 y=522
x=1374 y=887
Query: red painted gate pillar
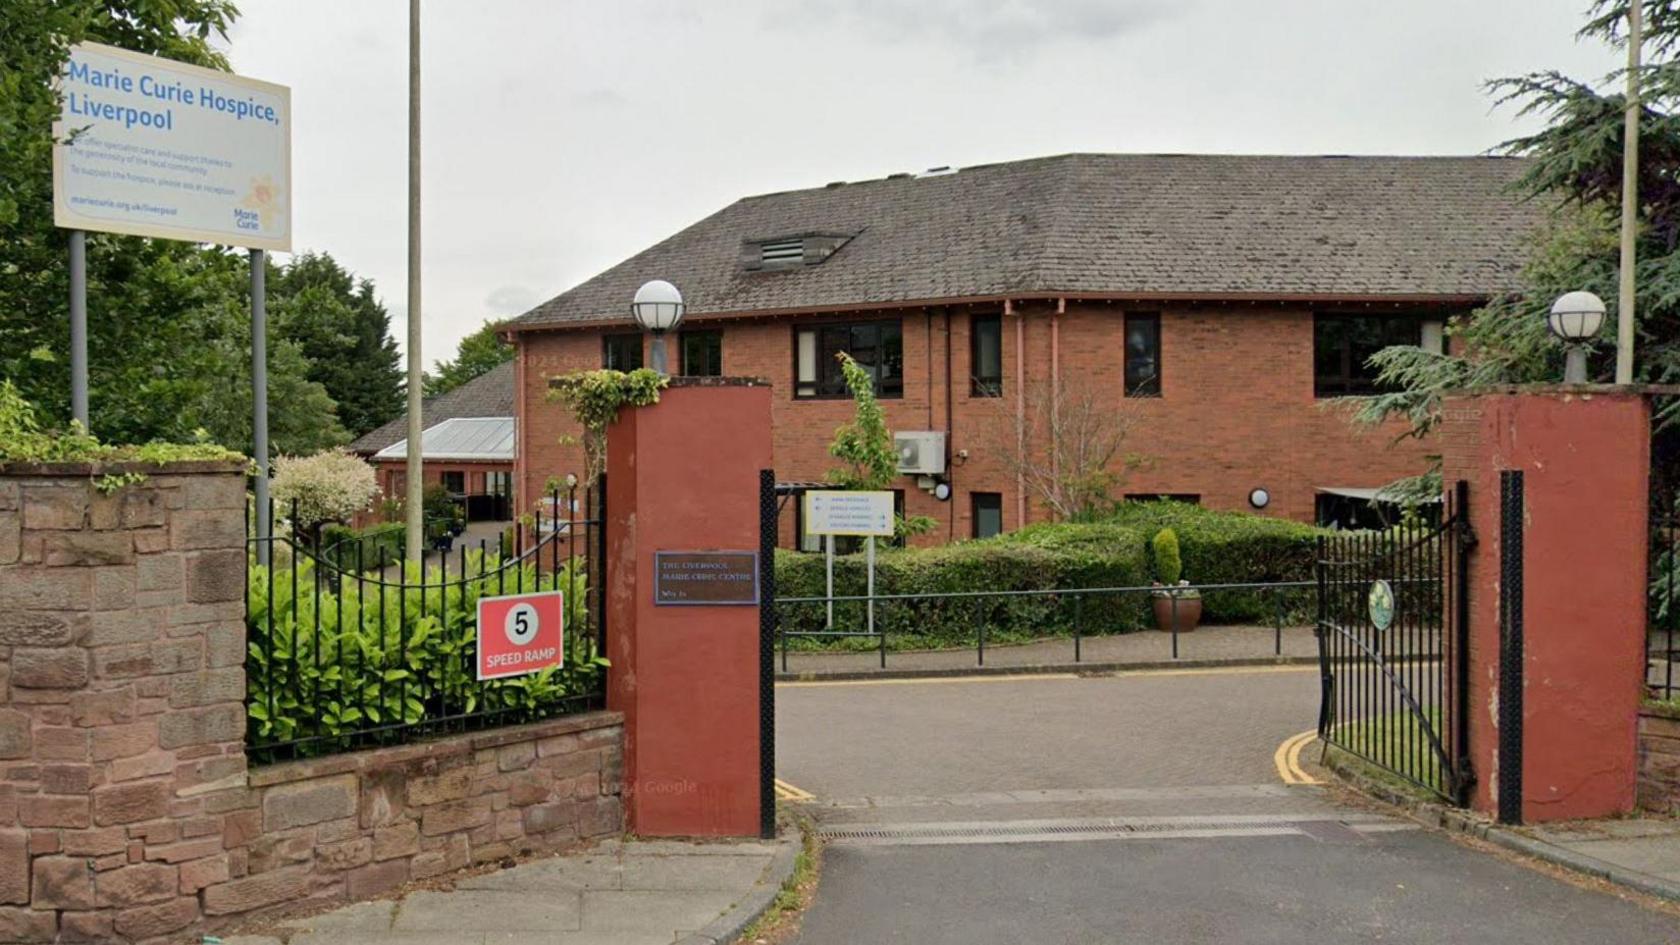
x=1584 y=452
x=683 y=476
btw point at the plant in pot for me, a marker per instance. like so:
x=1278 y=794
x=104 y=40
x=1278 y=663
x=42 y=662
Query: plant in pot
x=1176 y=602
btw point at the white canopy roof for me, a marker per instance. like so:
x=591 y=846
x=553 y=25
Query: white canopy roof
x=464 y=439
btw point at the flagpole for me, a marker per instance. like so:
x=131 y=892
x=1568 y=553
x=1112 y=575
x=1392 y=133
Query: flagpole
x=416 y=487
x=1630 y=201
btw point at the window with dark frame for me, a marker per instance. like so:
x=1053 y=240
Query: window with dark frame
x=985 y=355
x=1343 y=346
x=878 y=347
x=621 y=352
x=1143 y=355
x=455 y=483
x=701 y=353
x=987 y=513
x=1188 y=498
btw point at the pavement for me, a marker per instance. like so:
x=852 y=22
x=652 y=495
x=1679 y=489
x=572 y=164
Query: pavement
x=1145 y=647
x=615 y=893
x=1135 y=807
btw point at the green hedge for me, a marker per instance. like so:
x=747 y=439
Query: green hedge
x=1216 y=548
x=339 y=545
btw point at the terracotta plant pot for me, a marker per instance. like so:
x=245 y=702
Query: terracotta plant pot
x=1189 y=612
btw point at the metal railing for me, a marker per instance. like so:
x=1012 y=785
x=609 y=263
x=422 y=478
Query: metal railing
x=382 y=651
x=1062 y=610
x=1663 y=623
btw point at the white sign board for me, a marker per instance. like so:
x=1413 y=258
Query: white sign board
x=154 y=147
x=830 y=512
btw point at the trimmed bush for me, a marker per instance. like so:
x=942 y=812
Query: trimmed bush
x=1168 y=565
x=1214 y=548
x=347 y=548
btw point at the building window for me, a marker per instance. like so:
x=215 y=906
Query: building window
x=985 y=355
x=702 y=353
x=498 y=483
x=987 y=513
x=1343 y=345
x=877 y=346
x=621 y=352
x=1188 y=498
x=1143 y=355
x=455 y=483
x=843 y=544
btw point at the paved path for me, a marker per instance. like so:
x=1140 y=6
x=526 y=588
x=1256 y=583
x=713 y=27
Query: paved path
x=1144 y=646
x=1131 y=808
x=636 y=893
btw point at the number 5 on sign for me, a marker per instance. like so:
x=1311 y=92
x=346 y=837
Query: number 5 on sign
x=520 y=633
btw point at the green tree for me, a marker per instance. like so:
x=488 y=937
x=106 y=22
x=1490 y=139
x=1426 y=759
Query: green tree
x=344 y=333
x=1575 y=174
x=476 y=355
x=865 y=446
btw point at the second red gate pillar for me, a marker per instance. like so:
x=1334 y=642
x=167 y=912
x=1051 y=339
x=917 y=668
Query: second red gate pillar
x=1571 y=552
x=683 y=525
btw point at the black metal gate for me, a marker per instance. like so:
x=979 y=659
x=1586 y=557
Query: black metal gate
x=1392 y=634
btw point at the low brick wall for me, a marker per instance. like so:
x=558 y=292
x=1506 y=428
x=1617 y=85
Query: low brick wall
x=1659 y=759
x=356 y=825
x=127 y=812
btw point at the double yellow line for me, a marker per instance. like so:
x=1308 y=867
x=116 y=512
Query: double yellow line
x=787 y=792
x=1287 y=758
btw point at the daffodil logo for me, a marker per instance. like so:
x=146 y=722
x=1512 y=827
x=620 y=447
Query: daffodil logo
x=264 y=198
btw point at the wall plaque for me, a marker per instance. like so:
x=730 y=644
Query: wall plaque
x=700 y=578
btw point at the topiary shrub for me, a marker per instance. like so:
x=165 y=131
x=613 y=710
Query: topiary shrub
x=1168 y=566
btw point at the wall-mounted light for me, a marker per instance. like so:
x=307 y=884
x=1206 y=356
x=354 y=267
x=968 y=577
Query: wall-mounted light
x=1575 y=318
x=942 y=492
x=1259 y=498
x=658 y=307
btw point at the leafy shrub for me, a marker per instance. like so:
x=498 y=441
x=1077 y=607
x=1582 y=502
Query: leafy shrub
x=328 y=664
x=1168 y=566
x=329 y=486
x=23 y=439
x=348 y=549
x=1214 y=548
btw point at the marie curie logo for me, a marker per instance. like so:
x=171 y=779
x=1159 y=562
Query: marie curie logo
x=259 y=206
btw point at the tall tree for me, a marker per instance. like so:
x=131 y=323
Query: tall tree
x=1575 y=175
x=477 y=354
x=344 y=332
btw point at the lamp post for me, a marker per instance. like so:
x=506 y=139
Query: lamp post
x=1575 y=318
x=658 y=307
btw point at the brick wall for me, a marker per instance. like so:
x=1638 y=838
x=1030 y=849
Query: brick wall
x=1237 y=409
x=1659 y=759
x=127 y=812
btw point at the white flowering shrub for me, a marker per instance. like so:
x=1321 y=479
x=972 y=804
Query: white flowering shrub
x=327 y=487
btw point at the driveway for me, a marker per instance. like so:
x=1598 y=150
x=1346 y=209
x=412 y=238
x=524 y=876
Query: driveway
x=1143 y=807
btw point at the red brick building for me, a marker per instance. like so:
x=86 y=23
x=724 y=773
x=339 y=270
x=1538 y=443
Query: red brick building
x=1212 y=304
x=466 y=445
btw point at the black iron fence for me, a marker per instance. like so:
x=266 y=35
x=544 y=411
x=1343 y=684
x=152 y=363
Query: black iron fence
x=1071 y=613
x=1391 y=628
x=1663 y=624
x=355 y=650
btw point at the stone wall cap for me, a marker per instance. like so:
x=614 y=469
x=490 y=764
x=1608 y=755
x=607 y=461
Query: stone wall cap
x=1579 y=390
x=303 y=769
x=1661 y=710
x=184 y=467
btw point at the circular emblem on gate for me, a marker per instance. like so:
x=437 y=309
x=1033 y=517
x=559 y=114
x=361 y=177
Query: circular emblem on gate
x=1380 y=602
x=520 y=625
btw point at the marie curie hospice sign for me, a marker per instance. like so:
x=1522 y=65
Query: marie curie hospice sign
x=154 y=147
x=520 y=633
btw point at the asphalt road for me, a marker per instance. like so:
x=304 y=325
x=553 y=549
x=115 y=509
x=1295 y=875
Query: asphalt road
x=1140 y=808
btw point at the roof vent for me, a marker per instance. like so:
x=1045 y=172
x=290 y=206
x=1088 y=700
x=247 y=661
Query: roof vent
x=901 y=175
x=788 y=252
x=836 y=183
x=940 y=171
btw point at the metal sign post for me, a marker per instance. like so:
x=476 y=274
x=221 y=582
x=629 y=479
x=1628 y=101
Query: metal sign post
x=78 y=328
x=865 y=515
x=259 y=399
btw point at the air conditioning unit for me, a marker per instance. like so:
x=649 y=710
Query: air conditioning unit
x=921 y=453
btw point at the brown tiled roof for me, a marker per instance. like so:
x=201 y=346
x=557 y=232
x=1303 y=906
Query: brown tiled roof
x=1108 y=224
x=488 y=395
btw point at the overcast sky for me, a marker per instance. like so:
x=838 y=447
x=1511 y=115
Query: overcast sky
x=561 y=136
